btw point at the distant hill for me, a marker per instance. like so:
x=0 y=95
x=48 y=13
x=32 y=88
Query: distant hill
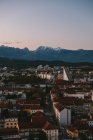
x=47 y=54
x=13 y=63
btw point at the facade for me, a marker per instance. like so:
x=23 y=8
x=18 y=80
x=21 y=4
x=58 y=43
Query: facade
x=90 y=123
x=65 y=76
x=9 y=134
x=11 y=123
x=63 y=115
x=51 y=131
x=73 y=132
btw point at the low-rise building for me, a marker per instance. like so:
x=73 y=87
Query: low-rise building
x=90 y=122
x=11 y=123
x=62 y=114
x=51 y=131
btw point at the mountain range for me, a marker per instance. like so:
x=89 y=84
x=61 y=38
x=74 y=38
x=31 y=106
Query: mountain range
x=47 y=54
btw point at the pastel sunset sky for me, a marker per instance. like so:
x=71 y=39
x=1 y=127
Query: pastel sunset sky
x=55 y=23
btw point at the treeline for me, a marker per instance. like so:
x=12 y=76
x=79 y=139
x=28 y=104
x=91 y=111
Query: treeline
x=33 y=80
x=11 y=63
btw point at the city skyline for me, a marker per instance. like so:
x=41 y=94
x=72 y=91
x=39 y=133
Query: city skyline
x=59 y=23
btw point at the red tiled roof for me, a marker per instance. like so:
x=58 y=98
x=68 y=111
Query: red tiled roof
x=90 y=119
x=38 y=119
x=25 y=125
x=5 y=104
x=8 y=131
x=49 y=126
x=32 y=107
x=23 y=101
x=72 y=129
x=15 y=139
x=59 y=107
x=68 y=101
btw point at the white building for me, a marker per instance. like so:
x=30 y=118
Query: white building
x=51 y=131
x=11 y=123
x=45 y=75
x=9 y=134
x=65 y=77
x=77 y=95
x=62 y=114
x=33 y=108
x=90 y=122
x=40 y=67
x=92 y=95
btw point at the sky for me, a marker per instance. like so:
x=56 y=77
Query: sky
x=55 y=23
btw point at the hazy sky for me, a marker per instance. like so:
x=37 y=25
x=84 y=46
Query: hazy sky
x=55 y=23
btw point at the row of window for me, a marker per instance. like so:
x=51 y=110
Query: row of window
x=90 y=122
x=11 y=120
x=11 y=123
x=10 y=127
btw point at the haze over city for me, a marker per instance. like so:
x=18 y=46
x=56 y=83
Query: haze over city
x=56 y=23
